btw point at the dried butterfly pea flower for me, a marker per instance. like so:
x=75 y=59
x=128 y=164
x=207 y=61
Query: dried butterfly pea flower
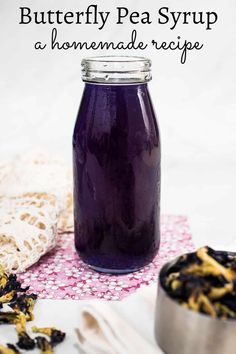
x=55 y=335
x=8 y=317
x=217 y=293
x=4 y=299
x=216 y=267
x=201 y=303
x=229 y=300
x=14 y=284
x=25 y=303
x=187 y=284
x=223 y=257
x=24 y=340
x=9 y=283
x=23 y=306
x=204 y=281
x=184 y=261
x=44 y=345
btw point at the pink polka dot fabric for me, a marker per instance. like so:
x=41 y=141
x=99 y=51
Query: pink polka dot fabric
x=62 y=275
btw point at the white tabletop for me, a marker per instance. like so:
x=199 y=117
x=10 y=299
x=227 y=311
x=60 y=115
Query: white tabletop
x=64 y=315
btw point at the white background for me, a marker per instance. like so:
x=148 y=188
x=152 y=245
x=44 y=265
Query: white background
x=195 y=102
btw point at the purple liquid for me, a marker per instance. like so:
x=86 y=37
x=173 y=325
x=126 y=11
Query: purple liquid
x=116 y=155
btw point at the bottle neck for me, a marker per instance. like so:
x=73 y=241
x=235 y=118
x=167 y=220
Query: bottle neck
x=113 y=87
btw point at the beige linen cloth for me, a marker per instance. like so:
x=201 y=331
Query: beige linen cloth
x=103 y=329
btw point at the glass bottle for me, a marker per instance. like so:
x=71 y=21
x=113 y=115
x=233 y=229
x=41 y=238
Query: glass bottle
x=116 y=161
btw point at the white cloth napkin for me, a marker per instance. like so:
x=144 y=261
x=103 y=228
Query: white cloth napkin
x=102 y=330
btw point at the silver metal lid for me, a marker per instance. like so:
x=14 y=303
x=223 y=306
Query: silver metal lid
x=116 y=69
